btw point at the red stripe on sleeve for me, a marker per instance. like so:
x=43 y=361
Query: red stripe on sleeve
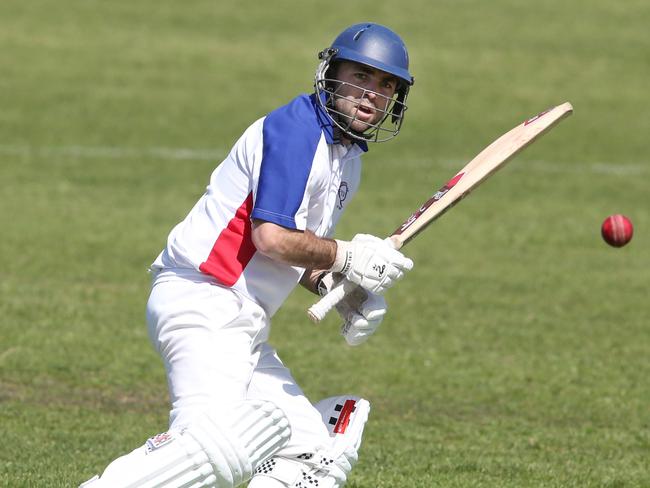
x=233 y=249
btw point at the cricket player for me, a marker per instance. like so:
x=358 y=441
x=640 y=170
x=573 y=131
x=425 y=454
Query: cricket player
x=264 y=225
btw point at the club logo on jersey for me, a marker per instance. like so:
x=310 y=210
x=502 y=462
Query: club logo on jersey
x=157 y=441
x=533 y=119
x=342 y=194
x=436 y=197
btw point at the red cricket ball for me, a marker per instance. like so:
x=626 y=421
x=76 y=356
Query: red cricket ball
x=617 y=230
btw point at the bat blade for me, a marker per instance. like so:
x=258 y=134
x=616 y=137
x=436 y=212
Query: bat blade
x=489 y=160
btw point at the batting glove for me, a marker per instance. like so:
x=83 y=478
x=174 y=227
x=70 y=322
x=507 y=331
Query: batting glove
x=362 y=312
x=370 y=262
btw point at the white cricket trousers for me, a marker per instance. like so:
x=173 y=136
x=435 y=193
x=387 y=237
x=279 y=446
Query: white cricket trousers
x=212 y=341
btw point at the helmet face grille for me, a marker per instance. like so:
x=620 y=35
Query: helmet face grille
x=384 y=129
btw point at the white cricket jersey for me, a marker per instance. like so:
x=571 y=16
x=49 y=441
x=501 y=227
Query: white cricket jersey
x=287 y=169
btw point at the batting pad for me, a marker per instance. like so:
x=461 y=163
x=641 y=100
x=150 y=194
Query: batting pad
x=345 y=417
x=213 y=452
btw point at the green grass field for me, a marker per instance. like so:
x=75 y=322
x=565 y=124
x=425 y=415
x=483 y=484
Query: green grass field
x=516 y=352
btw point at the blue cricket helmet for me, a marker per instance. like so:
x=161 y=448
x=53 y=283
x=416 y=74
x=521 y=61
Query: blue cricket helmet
x=372 y=45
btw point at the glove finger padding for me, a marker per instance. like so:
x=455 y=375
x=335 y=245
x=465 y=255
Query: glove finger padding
x=351 y=308
x=371 y=263
x=374 y=307
x=362 y=312
x=361 y=321
x=354 y=335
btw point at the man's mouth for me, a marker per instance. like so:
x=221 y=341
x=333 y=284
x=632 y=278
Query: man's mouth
x=365 y=109
x=365 y=113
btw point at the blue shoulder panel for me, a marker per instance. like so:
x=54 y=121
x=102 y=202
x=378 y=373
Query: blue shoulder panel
x=291 y=134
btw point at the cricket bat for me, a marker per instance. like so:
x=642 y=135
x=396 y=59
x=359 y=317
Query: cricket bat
x=493 y=157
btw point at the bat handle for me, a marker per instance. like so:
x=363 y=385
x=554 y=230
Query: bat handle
x=320 y=309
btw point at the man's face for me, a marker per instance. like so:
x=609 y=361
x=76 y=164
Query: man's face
x=364 y=104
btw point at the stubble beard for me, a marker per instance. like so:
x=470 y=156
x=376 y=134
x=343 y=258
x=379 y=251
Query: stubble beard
x=349 y=115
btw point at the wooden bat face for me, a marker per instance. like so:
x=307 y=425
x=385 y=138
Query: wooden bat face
x=436 y=197
x=477 y=170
